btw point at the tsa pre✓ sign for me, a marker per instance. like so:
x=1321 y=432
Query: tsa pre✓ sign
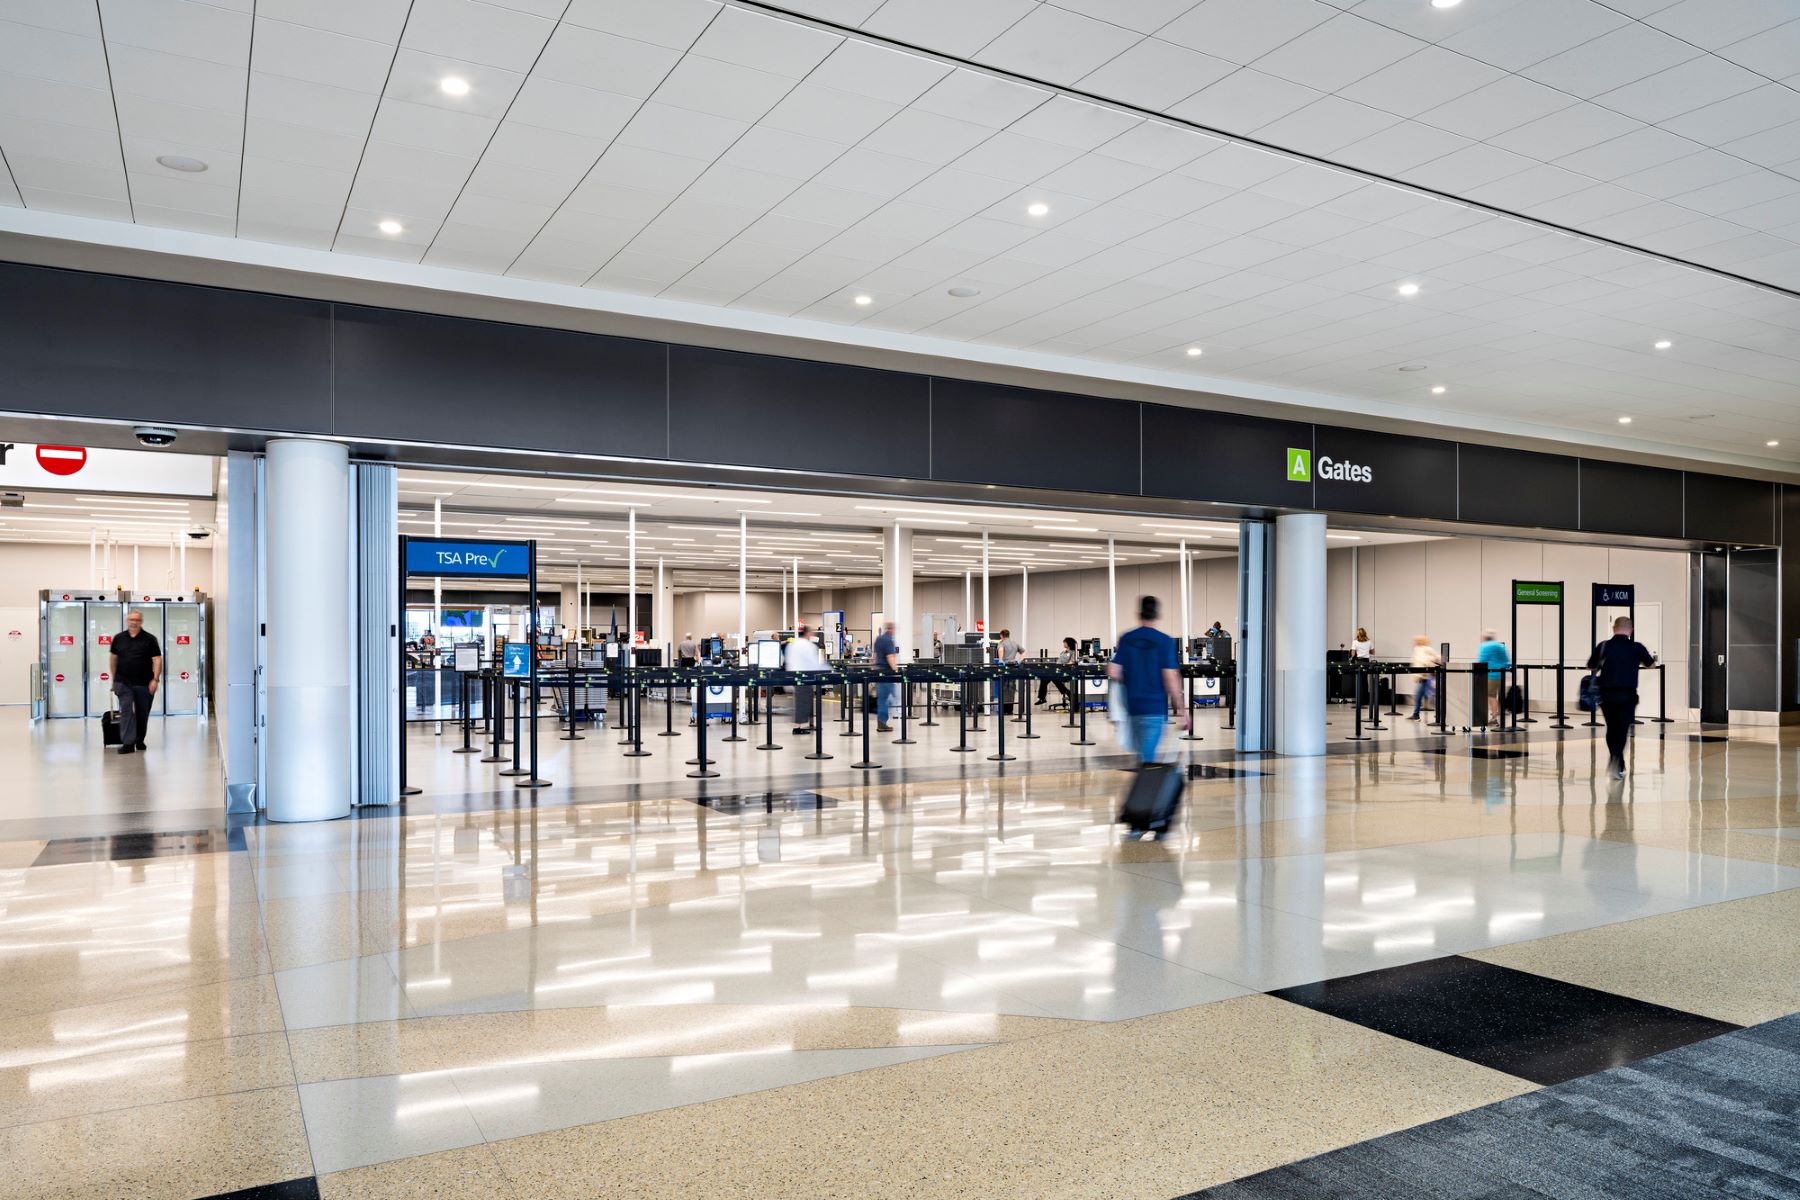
x=487 y=560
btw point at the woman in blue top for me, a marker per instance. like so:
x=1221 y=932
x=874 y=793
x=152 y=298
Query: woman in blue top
x=1494 y=657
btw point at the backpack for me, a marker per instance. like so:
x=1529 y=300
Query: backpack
x=1588 y=697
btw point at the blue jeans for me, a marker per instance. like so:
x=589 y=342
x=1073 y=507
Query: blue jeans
x=1422 y=693
x=1146 y=734
x=886 y=696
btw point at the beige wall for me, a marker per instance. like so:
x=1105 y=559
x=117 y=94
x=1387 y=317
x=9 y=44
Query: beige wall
x=706 y=613
x=27 y=568
x=1452 y=589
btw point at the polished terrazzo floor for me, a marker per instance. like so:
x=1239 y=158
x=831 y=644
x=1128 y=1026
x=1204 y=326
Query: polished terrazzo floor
x=957 y=986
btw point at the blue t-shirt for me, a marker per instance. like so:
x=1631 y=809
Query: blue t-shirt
x=1143 y=655
x=884 y=646
x=1493 y=656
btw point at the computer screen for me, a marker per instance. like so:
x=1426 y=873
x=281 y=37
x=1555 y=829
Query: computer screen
x=1091 y=647
x=712 y=647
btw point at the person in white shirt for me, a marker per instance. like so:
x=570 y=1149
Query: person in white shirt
x=1362 y=647
x=804 y=656
x=1425 y=662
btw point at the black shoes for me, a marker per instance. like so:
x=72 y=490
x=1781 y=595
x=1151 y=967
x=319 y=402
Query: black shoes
x=126 y=749
x=884 y=729
x=140 y=745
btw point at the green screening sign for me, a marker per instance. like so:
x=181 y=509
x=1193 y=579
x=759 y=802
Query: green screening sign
x=1526 y=592
x=1299 y=464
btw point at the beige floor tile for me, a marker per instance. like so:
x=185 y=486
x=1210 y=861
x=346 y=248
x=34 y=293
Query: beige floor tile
x=1079 y=1114
x=443 y=1043
x=95 y=1083
x=231 y=1008
x=1738 y=961
x=161 y=1152
x=18 y=855
x=471 y=1173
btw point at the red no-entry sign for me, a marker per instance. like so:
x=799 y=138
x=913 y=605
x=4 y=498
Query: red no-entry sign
x=62 y=460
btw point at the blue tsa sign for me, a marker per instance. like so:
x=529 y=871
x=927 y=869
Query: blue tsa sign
x=517 y=663
x=486 y=560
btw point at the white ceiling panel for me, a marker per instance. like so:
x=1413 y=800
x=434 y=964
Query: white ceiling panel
x=723 y=155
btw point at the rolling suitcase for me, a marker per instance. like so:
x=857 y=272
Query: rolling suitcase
x=109 y=729
x=1151 y=800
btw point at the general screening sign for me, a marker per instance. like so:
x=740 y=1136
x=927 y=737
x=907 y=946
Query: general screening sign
x=485 y=560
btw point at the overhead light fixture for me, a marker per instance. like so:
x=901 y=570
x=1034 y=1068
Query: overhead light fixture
x=1445 y=3
x=1438 y=391
x=1664 y=344
x=1037 y=210
x=864 y=301
x=963 y=293
x=1194 y=352
x=1624 y=420
x=181 y=162
x=1771 y=442
x=453 y=85
x=391 y=227
x=1413 y=367
x=1409 y=289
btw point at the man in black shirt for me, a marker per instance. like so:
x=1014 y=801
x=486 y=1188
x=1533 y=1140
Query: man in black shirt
x=137 y=673
x=1616 y=662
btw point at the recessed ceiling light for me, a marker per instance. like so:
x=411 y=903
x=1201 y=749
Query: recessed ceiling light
x=453 y=85
x=1445 y=3
x=1409 y=289
x=1037 y=210
x=391 y=227
x=1437 y=391
x=1664 y=345
x=1624 y=420
x=1413 y=367
x=1194 y=352
x=1771 y=442
x=181 y=162
x=963 y=293
x=865 y=301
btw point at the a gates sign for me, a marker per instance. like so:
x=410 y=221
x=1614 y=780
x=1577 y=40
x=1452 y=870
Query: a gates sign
x=25 y=465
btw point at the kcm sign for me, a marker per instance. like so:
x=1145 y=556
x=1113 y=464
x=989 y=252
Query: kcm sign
x=1300 y=468
x=485 y=560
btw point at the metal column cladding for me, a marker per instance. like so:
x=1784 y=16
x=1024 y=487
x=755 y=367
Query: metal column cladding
x=378 y=629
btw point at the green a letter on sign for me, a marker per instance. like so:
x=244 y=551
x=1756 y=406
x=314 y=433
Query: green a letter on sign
x=1299 y=463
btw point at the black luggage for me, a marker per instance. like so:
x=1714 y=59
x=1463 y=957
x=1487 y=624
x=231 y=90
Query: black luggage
x=1515 y=701
x=109 y=729
x=1151 y=800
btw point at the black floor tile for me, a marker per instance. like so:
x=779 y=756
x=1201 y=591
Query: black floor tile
x=133 y=844
x=768 y=802
x=293 y=1189
x=1715 y=1118
x=1527 y=1025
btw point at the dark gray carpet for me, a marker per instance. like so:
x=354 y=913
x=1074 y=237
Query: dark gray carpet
x=1717 y=1118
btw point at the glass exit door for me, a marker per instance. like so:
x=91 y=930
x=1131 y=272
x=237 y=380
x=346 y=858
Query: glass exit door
x=183 y=646
x=64 y=625
x=102 y=621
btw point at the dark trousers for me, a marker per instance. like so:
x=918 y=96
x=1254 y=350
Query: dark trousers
x=803 y=704
x=136 y=703
x=1044 y=689
x=1617 y=709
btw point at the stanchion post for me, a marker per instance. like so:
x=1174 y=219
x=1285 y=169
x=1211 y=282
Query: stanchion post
x=634 y=699
x=868 y=763
x=1025 y=697
x=769 y=742
x=905 y=738
x=516 y=768
x=962 y=715
x=496 y=719
x=1000 y=754
x=735 y=736
x=1190 y=735
x=1374 y=690
x=1358 y=707
x=701 y=770
x=466 y=748
x=1081 y=703
x=818 y=724
x=1662 y=716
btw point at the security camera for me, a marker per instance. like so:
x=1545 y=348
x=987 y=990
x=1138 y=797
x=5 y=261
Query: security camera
x=199 y=534
x=150 y=435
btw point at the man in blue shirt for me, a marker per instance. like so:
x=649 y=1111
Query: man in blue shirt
x=1494 y=657
x=1615 y=663
x=885 y=657
x=1147 y=665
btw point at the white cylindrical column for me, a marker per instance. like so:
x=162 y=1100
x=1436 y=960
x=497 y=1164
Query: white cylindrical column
x=94 y=558
x=1299 y=641
x=631 y=585
x=968 y=608
x=987 y=619
x=662 y=614
x=1112 y=592
x=435 y=624
x=797 y=594
x=1184 y=596
x=1025 y=608
x=309 y=636
x=897 y=587
x=743 y=584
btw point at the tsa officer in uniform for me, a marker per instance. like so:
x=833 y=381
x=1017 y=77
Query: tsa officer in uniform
x=137 y=672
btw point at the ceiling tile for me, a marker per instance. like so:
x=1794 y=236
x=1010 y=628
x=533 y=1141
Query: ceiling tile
x=886 y=74
x=672 y=24
x=1155 y=74
x=1502 y=105
x=176 y=78
x=1066 y=121
x=603 y=61
x=188 y=28
x=1056 y=45
x=1242 y=31
x=549 y=104
x=50 y=54
x=1683 y=88
x=477 y=32
x=1565 y=131
x=377 y=20
x=949 y=26
x=1244 y=100
x=1519 y=35
x=1772 y=53
x=750 y=39
x=1421 y=81
x=821 y=112
x=415 y=78
x=1326 y=125
x=1337 y=53
x=303 y=52
x=722 y=89
x=981 y=98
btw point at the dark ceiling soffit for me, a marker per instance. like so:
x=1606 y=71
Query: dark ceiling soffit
x=213 y=273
